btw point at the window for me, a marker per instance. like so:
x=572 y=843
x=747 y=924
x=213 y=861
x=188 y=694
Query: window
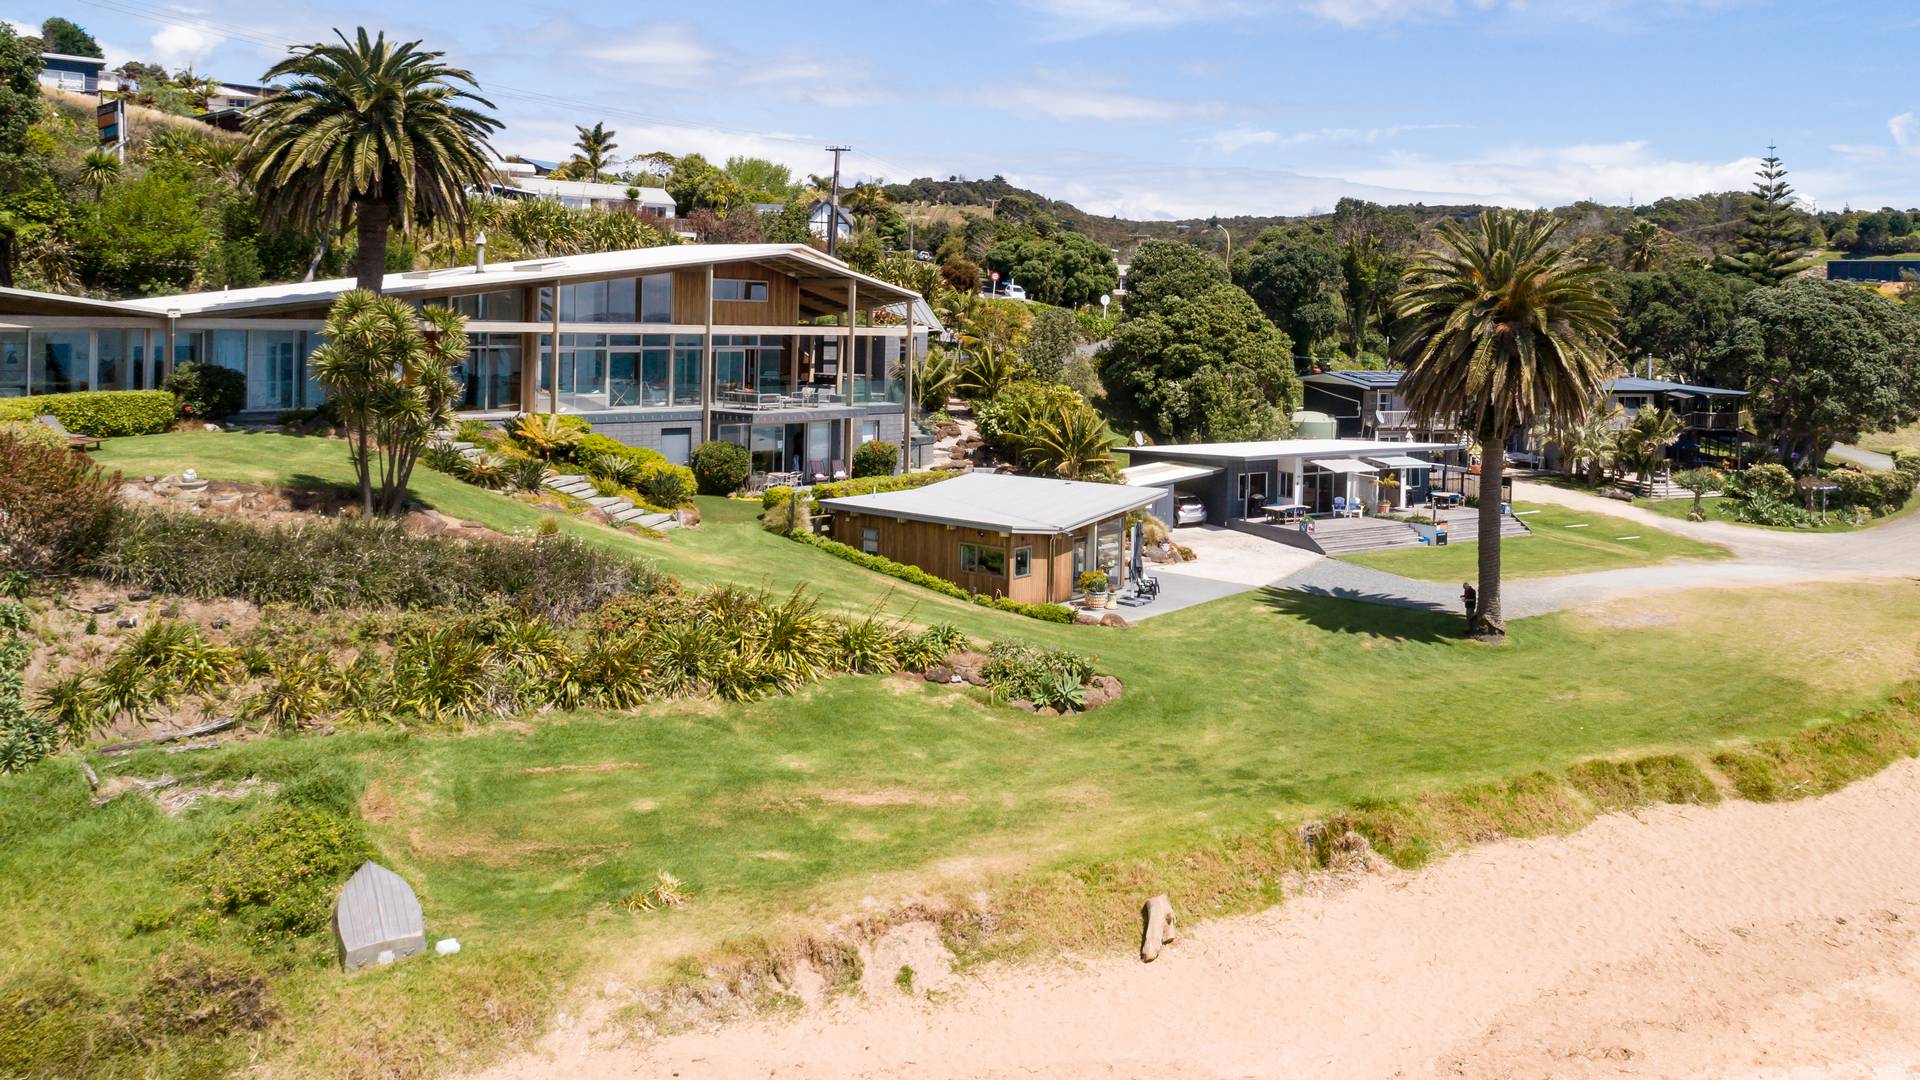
x=870 y=541
x=1022 y=561
x=656 y=298
x=677 y=445
x=979 y=559
x=869 y=431
x=738 y=289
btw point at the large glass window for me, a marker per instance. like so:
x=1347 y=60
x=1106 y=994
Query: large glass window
x=738 y=290
x=981 y=559
x=112 y=366
x=62 y=361
x=13 y=364
x=228 y=349
x=626 y=384
x=491 y=373
x=500 y=305
x=656 y=298
x=273 y=363
x=688 y=355
x=876 y=369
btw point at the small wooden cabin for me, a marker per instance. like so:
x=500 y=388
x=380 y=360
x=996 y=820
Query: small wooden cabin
x=1024 y=537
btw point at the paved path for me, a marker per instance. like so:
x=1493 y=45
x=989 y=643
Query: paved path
x=1853 y=455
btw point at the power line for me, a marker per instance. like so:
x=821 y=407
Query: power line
x=492 y=90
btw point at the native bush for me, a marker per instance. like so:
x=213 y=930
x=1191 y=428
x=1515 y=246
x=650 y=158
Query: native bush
x=361 y=564
x=276 y=871
x=24 y=738
x=720 y=468
x=875 y=458
x=56 y=506
x=1047 y=677
x=207 y=391
x=102 y=413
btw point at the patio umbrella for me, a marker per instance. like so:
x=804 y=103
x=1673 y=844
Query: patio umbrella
x=1137 y=566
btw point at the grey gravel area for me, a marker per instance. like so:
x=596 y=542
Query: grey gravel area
x=1181 y=591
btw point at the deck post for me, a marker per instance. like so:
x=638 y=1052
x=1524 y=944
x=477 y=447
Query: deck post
x=846 y=367
x=706 y=368
x=906 y=401
x=553 y=367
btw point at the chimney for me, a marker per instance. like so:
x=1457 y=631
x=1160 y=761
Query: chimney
x=480 y=254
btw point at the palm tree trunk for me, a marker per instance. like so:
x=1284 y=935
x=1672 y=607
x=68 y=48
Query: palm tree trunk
x=1487 y=623
x=371 y=218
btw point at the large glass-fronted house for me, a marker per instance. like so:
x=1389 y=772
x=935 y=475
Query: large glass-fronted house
x=776 y=347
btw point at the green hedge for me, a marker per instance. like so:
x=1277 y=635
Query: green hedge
x=868 y=485
x=102 y=413
x=917 y=576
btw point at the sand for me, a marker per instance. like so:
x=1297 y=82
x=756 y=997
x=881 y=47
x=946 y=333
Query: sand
x=1736 y=941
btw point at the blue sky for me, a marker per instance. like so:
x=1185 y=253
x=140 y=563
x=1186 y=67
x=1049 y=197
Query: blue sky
x=1168 y=108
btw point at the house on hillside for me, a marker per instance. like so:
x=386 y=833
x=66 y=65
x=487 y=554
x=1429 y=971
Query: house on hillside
x=1024 y=537
x=644 y=201
x=774 y=347
x=1367 y=404
x=80 y=74
x=824 y=212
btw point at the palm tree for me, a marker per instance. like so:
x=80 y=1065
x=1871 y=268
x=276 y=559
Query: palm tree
x=933 y=384
x=380 y=134
x=1641 y=243
x=1646 y=440
x=1594 y=444
x=596 y=148
x=865 y=202
x=99 y=169
x=1071 y=443
x=1500 y=329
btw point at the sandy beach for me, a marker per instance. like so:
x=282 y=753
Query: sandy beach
x=1741 y=940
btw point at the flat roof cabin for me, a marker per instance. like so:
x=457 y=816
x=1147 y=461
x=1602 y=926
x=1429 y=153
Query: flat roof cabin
x=1024 y=537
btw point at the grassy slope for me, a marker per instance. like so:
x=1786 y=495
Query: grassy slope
x=1552 y=549
x=1907 y=438
x=1260 y=707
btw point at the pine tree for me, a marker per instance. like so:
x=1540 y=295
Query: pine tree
x=1770 y=241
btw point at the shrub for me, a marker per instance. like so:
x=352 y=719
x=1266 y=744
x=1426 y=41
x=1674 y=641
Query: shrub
x=443 y=458
x=548 y=436
x=55 y=505
x=24 y=739
x=1768 y=479
x=666 y=486
x=875 y=458
x=102 y=413
x=869 y=485
x=207 y=391
x=361 y=564
x=1093 y=581
x=720 y=468
x=483 y=470
x=276 y=871
x=1042 y=676
x=595 y=446
x=526 y=473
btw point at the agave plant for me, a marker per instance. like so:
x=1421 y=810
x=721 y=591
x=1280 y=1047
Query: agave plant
x=484 y=470
x=526 y=474
x=1062 y=692
x=617 y=469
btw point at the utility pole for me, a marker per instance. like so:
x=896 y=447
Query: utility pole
x=833 y=212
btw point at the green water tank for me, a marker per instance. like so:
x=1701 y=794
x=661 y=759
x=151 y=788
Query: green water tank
x=1308 y=424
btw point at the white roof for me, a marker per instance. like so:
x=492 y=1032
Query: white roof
x=1285 y=448
x=1161 y=473
x=1399 y=461
x=1001 y=503
x=589 y=189
x=798 y=257
x=1343 y=465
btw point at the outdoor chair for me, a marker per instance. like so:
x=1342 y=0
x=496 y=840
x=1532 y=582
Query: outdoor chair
x=77 y=442
x=839 y=469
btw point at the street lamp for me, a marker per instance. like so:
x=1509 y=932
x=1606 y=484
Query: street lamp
x=1229 y=236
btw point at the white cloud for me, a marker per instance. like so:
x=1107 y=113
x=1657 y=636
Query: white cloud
x=1233 y=140
x=668 y=54
x=180 y=46
x=1905 y=130
x=1551 y=176
x=817 y=82
x=1352 y=13
x=1088 y=17
x=1061 y=95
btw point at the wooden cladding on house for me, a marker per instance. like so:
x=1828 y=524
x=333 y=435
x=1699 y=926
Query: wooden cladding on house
x=780 y=308
x=936 y=549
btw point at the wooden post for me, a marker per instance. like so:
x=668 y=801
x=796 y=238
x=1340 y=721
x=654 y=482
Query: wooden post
x=1159 y=928
x=846 y=363
x=553 y=387
x=706 y=369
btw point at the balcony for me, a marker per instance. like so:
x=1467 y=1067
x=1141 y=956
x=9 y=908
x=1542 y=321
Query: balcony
x=767 y=397
x=1715 y=421
x=1392 y=419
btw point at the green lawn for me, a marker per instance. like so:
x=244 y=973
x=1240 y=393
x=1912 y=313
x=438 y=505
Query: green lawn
x=1263 y=707
x=1907 y=438
x=1563 y=542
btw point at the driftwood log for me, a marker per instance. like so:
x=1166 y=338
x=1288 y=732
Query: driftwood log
x=130 y=745
x=1158 y=915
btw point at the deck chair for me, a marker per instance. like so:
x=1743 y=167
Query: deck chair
x=839 y=469
x=77 y=442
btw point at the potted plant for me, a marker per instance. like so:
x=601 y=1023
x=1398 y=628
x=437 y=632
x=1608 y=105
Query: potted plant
x=1388 y=485
x=1094 y=584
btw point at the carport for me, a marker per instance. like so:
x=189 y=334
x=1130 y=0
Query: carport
x=1176 y=479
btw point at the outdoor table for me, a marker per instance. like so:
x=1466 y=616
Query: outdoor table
x=1446 y=498
x=1282 y=513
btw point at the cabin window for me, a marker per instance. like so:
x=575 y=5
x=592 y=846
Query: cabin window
x=980 y=559
x=870 y=541
x=1022 y=561
x=739 y=289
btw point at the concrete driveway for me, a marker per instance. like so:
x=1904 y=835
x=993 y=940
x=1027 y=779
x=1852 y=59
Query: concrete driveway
x=1225 y=563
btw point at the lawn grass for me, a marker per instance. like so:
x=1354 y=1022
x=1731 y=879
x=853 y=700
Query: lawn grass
x=1241 y=716
x=1885 y=442
x=1597 y=542
x=1678 y=509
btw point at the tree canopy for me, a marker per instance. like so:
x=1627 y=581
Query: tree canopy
x=1679 y=318
x=1295 y=279
x=1201 y=367
x=1066 y=268
x=65 y=36
x=1826 y=361
x=1773 y=232
x=1163 y=270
